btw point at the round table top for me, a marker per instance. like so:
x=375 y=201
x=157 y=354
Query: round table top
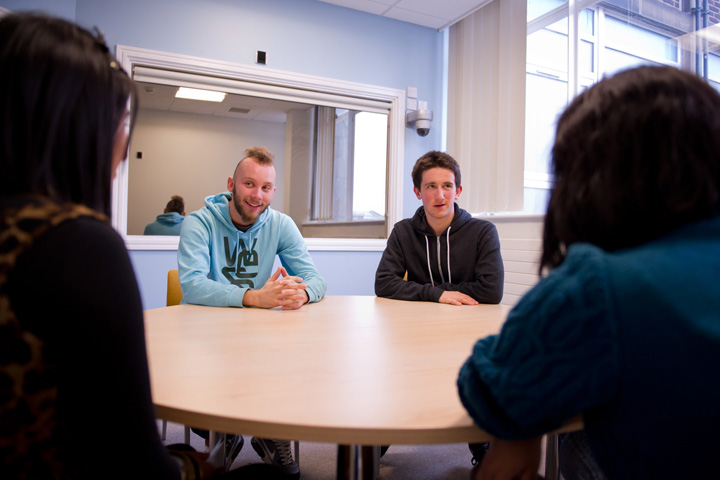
x=348 y=369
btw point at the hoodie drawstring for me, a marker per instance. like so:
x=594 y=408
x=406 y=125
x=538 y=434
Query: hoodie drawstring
x=447 y=240
x=427 y=254
x=442 y=277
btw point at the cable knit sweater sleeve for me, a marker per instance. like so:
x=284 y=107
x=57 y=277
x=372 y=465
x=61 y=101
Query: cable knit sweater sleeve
x=556 y=355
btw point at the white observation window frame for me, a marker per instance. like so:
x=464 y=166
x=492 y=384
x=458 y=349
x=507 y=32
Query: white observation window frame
x=265 y=81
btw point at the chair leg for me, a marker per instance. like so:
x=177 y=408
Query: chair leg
x=187 y=435
x=297 y=452
x=552 y=468
x=164 y=430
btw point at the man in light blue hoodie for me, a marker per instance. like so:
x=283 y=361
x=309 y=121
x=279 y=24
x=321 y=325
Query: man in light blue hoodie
x=226 y=254
x=170 y=221
x=227 y=249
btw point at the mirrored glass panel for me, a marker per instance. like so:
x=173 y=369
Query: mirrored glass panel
x=331 y=162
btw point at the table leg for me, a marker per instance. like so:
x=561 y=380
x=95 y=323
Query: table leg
x=347 y=462
x=552 y=468
x=358 y=462
x=370 y=463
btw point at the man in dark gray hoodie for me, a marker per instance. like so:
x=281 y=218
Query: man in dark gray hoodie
x=449 y=256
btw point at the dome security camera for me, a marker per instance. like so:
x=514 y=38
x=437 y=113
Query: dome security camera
x=420 y=120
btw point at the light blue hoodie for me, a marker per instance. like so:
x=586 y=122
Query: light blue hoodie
x=165 y=224
x=217 y=263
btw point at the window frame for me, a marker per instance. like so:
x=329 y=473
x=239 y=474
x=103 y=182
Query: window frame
x=309 y=88
x=573 y=76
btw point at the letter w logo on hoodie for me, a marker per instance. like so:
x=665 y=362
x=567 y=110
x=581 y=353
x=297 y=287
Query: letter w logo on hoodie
x=246 y=258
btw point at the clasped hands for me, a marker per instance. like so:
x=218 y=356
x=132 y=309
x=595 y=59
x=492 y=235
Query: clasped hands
x=281 y=290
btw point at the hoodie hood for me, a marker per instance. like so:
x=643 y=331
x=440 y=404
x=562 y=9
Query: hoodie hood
x=170 y=219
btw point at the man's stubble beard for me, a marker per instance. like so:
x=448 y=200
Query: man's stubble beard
x=247 y=220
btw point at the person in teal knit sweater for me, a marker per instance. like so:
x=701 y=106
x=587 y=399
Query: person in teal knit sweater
x=624 y=326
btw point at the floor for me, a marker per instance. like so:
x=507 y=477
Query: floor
x=318 y=460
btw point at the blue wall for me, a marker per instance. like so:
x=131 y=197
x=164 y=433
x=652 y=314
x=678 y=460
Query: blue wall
x=61 y=8
x=304 y=36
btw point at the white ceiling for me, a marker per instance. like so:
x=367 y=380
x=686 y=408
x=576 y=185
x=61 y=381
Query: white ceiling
x=437 y=14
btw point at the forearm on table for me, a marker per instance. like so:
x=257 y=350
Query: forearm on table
x=203 y=291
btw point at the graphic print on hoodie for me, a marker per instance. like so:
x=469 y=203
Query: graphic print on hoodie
x=247 y=258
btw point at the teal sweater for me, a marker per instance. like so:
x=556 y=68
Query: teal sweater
x=629 y=339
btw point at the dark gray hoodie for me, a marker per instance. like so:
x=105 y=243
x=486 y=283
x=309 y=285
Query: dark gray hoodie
x=465 y=258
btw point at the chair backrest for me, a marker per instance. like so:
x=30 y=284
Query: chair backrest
x=174 y=292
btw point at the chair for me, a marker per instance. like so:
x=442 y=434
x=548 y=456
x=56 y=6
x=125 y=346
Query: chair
x=174 y=296
x=174 y=292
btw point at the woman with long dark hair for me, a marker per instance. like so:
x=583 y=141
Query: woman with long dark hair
x=74 y=385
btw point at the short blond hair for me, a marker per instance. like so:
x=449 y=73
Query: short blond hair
x=261 y=154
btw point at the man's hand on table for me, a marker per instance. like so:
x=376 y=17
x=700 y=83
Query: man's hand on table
x=281 y=290
x=456 y=298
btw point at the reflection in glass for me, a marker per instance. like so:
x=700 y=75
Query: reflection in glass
x=611 y=37
x=537 y=8
x=190 y=148
x=370 y=166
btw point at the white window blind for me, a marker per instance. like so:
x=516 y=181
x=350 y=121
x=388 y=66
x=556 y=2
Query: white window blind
x=324 y=161
x=486 y=105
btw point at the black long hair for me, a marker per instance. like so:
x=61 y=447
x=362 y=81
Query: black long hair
x=62 y=98
x=636 y=156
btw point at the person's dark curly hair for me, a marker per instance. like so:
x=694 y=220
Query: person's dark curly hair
x=636 y=156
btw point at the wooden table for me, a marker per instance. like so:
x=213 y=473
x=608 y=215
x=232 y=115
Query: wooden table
x=351 y=370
